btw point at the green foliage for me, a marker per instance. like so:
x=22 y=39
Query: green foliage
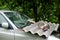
x=46 y=9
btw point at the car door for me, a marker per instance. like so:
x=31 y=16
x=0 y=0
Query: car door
x=6 y=34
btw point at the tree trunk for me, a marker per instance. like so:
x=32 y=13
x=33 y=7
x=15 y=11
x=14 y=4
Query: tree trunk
x=35 y=11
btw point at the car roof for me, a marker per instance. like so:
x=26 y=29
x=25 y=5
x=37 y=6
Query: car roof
x=6 y=11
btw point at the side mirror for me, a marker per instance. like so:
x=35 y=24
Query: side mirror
x=5 y=25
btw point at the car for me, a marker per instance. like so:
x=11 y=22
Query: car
x=11 y=24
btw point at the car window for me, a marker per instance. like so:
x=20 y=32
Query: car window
x=18 y=19
x=3 y=20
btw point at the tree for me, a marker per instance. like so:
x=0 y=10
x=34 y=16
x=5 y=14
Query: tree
x=38 y=9
x=32 y=4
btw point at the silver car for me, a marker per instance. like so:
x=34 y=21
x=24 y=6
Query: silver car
x=11 y=24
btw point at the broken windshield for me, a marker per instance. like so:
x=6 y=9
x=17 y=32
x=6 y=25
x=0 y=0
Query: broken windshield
x=20 y=20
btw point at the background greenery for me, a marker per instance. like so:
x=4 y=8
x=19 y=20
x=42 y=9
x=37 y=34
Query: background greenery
x=47 y=10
